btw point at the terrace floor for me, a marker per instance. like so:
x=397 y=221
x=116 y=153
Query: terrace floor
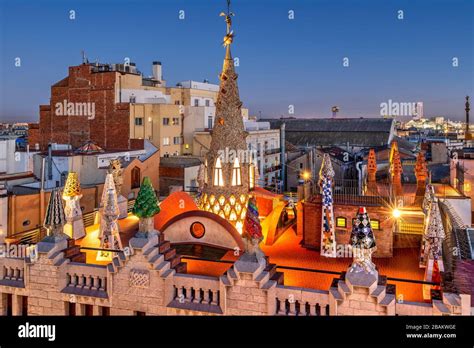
x=288 y=252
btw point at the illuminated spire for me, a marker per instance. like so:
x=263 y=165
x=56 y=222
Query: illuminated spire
x=221 y=194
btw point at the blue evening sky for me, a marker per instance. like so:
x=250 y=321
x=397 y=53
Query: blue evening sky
x=282 y=62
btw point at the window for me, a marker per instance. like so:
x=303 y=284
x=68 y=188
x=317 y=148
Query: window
x=104 y=311
x=341 y=222
x=209 y=122
x=71 y=309
x=166 y=141
x=24 y=306
x=375 y=224
x=207 y=102
x=166 y=121
x=8 y=303
x=218 y=178
x=301 y=165
x=176 y=140
x=140 y=314
x=176 y=102
x=89 y=310
x=196 y=102
x=236 y=178
x=133 y=99
x=136 y=178
x=197 y=230
x=175 y=121
x=138 y=121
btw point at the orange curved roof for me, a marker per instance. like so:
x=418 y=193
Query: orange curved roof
x=175 y=204
x=261 y=192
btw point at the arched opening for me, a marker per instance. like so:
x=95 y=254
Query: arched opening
x=236 y=174
x=135 y=178
x=218 y=177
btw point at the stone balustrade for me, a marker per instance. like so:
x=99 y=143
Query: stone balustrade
x=292 y=300
x=12 y=272
x=196 y=292
x=86 y=280
x=242 y=291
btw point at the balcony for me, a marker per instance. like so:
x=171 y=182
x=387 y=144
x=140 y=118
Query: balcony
x=272 y=151
x=272 y=169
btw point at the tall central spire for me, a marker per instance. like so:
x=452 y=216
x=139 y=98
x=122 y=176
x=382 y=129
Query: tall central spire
x=228 y=174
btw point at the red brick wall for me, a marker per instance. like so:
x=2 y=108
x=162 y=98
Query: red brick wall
x=169 y=177
x=34 y=136
x=110 y=128
x=312 y=226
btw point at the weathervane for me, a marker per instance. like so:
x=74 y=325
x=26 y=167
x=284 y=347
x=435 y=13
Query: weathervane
x=229 y=37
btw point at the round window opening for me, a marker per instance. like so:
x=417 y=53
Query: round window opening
x=198 y=230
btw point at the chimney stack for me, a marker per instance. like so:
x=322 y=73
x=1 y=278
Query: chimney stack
x=421 y=173
x=157 y=71
x=372 y=173
x=396 y=170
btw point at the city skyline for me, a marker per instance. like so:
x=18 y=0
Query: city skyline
x=284 y=63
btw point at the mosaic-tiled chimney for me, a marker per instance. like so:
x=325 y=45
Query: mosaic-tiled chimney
x=72 y=195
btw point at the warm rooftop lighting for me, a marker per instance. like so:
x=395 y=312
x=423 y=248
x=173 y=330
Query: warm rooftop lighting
x=306 y=175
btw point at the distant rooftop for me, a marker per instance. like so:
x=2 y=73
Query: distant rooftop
x=336 y=131
x=179 y=161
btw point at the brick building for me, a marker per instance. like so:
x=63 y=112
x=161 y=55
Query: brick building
x=84 y=87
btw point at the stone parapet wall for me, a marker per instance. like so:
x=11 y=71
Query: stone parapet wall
x=144 y=282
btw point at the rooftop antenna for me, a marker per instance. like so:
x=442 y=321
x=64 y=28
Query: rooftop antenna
x=84 y=58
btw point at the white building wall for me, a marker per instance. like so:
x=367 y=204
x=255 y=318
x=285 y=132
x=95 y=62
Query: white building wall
x=142 y=96
x=190 y=177
x=3 y=213
x=12 y=161
x=256 y=141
